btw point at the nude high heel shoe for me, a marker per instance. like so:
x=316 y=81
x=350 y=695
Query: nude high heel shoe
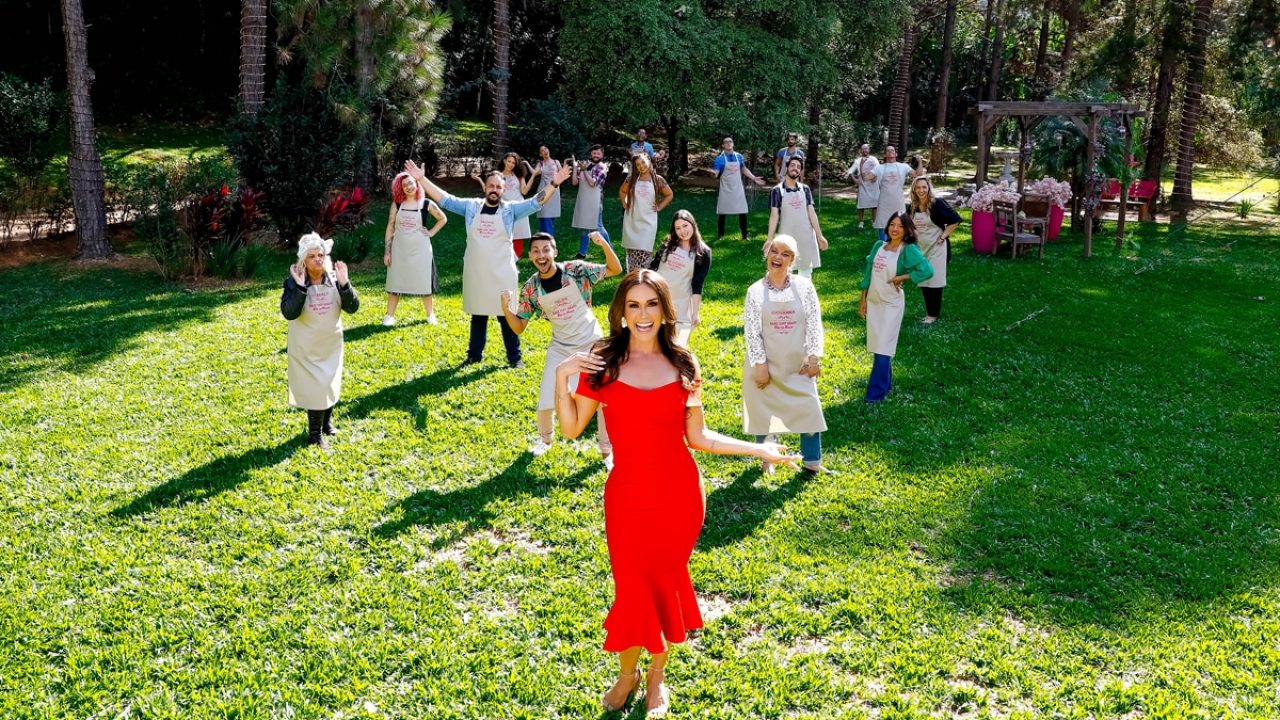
x=604 y=698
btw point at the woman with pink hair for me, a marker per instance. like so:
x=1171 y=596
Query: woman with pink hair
x=410 y=260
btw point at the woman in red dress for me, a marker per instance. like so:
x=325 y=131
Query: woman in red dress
x=653 y=499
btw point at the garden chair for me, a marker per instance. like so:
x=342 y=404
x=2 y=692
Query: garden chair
x=1142 y=195
x=1035 y=213
x=1009 y=225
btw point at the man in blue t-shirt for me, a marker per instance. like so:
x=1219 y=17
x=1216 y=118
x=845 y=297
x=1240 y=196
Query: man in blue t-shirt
x=785 y=154
x=641 y=146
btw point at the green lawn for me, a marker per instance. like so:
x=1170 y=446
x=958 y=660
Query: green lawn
x=1071 y=517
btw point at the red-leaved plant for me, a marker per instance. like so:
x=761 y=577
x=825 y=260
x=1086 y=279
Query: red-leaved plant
x=343 y=211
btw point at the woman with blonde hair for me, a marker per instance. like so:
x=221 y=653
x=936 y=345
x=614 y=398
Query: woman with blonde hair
x=409 y=257
x=934 y=221
x=654 y=501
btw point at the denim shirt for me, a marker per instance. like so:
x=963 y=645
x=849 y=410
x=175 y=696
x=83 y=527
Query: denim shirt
x=468 y=208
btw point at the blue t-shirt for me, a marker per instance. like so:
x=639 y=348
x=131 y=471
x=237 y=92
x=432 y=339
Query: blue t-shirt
x=637 y=148
x=727 y=157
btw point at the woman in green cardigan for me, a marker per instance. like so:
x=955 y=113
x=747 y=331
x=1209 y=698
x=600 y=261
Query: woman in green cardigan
x=891 y=263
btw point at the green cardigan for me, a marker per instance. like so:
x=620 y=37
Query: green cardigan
x=910 y=261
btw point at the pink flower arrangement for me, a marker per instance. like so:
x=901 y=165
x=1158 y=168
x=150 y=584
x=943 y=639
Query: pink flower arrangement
x=984 y=199
x=1058 y=191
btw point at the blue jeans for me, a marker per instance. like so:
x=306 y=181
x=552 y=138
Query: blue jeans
x=584 y=243
x=881 y=380
x=884 y=236
x=810 y=446
x=547 y=225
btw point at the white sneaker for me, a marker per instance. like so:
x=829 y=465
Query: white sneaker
x=540 y=448
x=608 y=462
x=431 y=319
x=388 y=320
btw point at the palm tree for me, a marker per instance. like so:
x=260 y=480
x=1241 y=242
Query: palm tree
x=253 y=54
x=84 y=165
x=898 y=134
x=1181 y=197
x=501 y=73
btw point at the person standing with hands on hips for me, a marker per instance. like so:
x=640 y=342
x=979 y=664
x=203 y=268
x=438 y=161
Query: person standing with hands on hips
x=654 y=501
x=890 y=264
x=561 y=293
x=488 y=264
x=643 y=194
x=409 y=258
x=782 y=325
x=935 y=220
x=588 y=209
x=730 y=167
x=791 y=213
x=546 y=169
x=315 y=296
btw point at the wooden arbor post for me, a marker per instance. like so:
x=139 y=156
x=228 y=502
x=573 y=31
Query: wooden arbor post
x=1092 y=186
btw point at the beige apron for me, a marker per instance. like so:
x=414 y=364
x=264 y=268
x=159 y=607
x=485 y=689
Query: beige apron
x=868 y=190
x=315 y=350
x=640 y=223
x=929 y=237
x=511 y=193
x=551 y=208
x=789 y=403
x=574 y=329
x=586 y=209
x=732 y=199
x=488 y=265
x=411 y=254
x=793 y=220
x=677 y=269
x=892 y=200
x=885 y=304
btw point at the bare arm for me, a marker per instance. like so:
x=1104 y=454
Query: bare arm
x=612 y=265
x=517 y=323
x=391 y=231
x=623 y=197
x=665 y=195
x=440 y=219
x=773 y=227
x=575 y=411
x=817 y=228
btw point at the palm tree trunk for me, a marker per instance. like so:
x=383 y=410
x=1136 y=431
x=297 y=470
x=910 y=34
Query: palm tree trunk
x=84 y=165
x=501 y=73
x=1181 y=197
x=253 y=54
x=901 y=86
x=1157 y=135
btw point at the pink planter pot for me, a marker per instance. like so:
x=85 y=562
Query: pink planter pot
x=1055 y=221
x=983 y=231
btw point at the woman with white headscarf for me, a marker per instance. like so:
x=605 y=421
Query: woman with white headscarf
x=315 y=294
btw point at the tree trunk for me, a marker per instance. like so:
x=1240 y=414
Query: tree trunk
x=1158 y=128
x=675 y=160
x=84 y=165
x=1181 y=197
x=997 y=53
x=501 y=73
x=1042 y=52
x=1072 y=18
x=984 y=53
x=366 y=70
x=815 y=117
x=901 y=86
x=253 y=54
x=944 y=79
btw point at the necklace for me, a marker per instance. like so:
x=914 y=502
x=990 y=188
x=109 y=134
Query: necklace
x=785 y=283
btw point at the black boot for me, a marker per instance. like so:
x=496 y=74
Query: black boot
x=315 y=434
x=326 y=427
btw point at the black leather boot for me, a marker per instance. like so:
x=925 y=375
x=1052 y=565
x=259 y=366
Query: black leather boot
x=327 y=426
x=315 y=426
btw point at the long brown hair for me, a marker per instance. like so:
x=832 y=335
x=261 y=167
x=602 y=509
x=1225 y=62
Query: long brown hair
x=672 y=242
x=914 y=205
x=633 y=177
x=615 y=348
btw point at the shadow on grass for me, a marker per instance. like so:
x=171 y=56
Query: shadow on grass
x=471 y=504
x=69 y=323
x=213 y=478
x=407 y=395
x=737 y=509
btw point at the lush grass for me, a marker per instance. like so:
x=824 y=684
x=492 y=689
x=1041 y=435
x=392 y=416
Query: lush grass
x=1071 y=517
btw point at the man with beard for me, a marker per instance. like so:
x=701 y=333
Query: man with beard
x=488 y=264
x=560 y=293
x=890 y=176
x=588 y=209
x=868 y=190
x=785 y=154
x=791 y=213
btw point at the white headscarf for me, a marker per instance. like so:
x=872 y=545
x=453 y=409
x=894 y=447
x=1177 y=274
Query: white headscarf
x=312 y=241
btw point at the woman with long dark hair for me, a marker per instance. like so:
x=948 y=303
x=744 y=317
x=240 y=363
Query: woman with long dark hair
x=517 y=178
x=683 y=261
x=653 y=500
x=544 y=170
x=643 y=194
x=891 y=263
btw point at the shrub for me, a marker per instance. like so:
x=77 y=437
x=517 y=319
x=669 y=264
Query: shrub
x=343 y=211
x=295 y=150
x=1244 y=207
x=550 y=122
x=251 y=258
x=223 y=259
x=155 y=190
x=32 y=120
x=351 y=247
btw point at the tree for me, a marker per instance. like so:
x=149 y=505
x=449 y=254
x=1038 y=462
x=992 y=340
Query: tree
x=501 y=73
x=997 y=50
x=253 y=54
x=1170 y=47
x=898 y=134
x=944 y=79
x=1181 y=197
x=84 y=165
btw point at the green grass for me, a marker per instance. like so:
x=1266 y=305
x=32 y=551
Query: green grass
x=1071 y=517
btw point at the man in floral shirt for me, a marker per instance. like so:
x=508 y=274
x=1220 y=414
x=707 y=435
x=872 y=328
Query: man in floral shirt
x=560 y=293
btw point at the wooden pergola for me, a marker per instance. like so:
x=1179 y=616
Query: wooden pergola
x=1086 y=116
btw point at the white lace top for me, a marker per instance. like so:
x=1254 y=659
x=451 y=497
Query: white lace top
x=753 y=320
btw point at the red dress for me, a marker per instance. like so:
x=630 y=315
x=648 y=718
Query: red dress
x=653 y=510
